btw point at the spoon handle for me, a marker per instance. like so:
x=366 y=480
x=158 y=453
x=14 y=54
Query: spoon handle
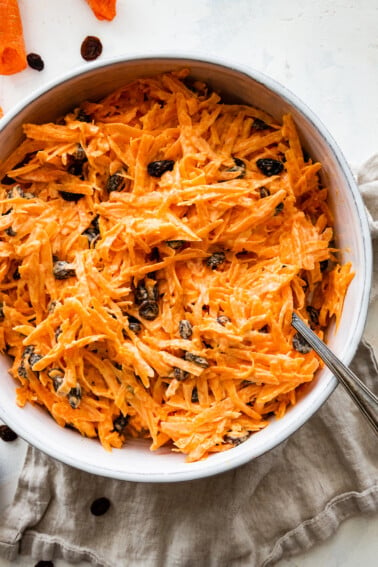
x=365 y=399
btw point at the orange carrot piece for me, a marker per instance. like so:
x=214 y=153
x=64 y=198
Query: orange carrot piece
x=103 y=9
x=12 y=47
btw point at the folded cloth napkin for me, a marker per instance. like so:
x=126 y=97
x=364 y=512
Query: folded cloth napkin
x=278 y=505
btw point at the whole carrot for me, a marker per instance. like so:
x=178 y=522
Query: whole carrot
x=12 y=47
x=103 y=9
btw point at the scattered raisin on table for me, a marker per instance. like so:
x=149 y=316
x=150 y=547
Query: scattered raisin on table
x=91 y=48
x=35 y=61
x=269 y=166
x=157 y=168
x=100 y=506
x=6 y=434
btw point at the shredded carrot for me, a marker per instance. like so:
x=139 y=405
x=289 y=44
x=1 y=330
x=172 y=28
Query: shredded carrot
x=103 y=9
x=150 y=263
x=12 y=47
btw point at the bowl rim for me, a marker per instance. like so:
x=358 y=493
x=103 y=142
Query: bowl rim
x=314 y=400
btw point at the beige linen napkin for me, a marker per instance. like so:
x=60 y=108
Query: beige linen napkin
x=278 y=505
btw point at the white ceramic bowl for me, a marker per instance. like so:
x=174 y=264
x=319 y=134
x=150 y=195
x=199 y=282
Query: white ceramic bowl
x=135 y=462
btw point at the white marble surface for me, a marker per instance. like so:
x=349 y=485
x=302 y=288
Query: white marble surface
x=326 y=52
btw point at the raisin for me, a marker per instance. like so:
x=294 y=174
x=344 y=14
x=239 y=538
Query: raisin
x=74 y=397
x=175 y=244
x=279 y=209
x=259 y=124
x=134 y=325
x=83 y=116
x=306 y=156
x=195 y=395
x=57 y=377
x=62 y=270
x=154 y=256
x=91 y=48
x=223 y=320
x=140 y=292
x=79 y=154
x=300 y=344
x=323 y=265
x=21 y=371
x=199 y=360
x=236 y=439
x=72 y=197
x=100 y=506
x=35 y=61
x=34 y=358
x=264 y=192
x=120 y=422
x=185 y=329
x=15 y=192
x=215 y=260
x=180 y=374
x=6 y=434
x=157 y=168
x=76 y=162
x=313 y=313
x=6 y=180
x=269 y=166
x=239 y=167
x=149 y=310
x=10 y=232
x=115 y=182
x=93 y=231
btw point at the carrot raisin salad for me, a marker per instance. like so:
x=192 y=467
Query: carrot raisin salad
x=154 y=246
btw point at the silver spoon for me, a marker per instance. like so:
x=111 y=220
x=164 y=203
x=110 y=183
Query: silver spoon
x=365 y=399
